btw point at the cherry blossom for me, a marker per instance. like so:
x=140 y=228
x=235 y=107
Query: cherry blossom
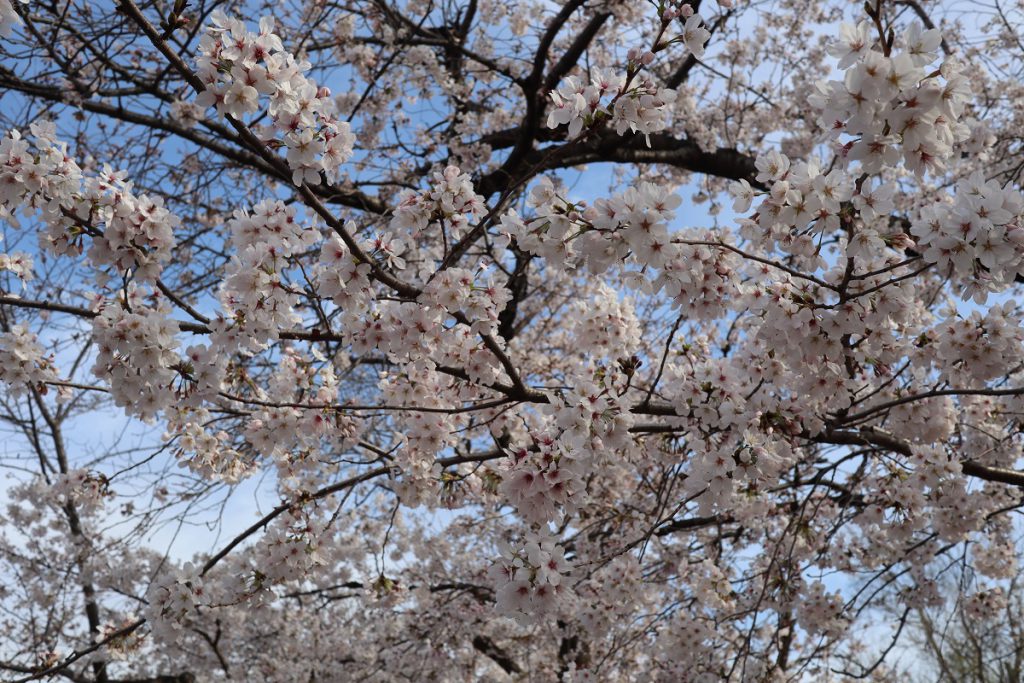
x=238 y=68
x=8 y=17
x=505 y=340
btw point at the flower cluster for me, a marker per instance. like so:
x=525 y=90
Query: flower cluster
x=709 y=583
x=130 y=233
x=343 y=278
x=978 y=236
x=256 y=295
x=417 y=474
x=593 y=416
x=29 y=178
x=633 y=102
x=287 y=554
x=138 y=232
x=19 y=263
x=288 y=433
x=682 y=646
x=540 y=484
x=577 y=104
x=605 y=325
x=890 y=104
x=981 y=346
x=629 y=228
x=136 y=354
x=638 y=105
x=406 y=331
x=238 y=67
x=819 y=612
x=633 y=224
x=24 y=364
x=589 y=424
x=456 y=290
x=996 y=559
x=531 y=578
x=698 y=276
x=449 y=205
x=209 y=454
x=644 y=108
x=985 y=605
x=81 y=488
x=804 y=201
x=171 y=601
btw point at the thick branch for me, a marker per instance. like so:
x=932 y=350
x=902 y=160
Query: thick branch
x=877 y=437
x=486 y=646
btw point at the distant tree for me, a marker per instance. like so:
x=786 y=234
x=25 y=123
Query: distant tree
x=977 y=638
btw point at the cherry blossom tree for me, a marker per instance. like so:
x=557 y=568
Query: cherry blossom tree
x=978 y=639
x=578 y=340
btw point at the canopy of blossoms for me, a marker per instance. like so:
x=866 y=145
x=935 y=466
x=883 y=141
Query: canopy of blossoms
x=589 y=340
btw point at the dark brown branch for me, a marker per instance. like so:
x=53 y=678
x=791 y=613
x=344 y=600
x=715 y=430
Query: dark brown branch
x=489 y=648
x=877 y=437
x=664 y=149
x=568 y=60
x=675 y=525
